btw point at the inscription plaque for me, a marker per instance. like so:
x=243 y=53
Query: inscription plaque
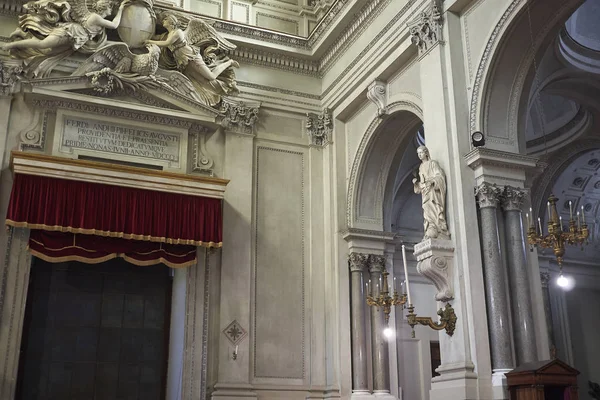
x=107 y=137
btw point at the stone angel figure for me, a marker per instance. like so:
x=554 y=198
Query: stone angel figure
x=198 y=53
x=51 y=30
x=430 y=182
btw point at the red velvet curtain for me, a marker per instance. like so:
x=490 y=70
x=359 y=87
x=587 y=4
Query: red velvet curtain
x=96 y=222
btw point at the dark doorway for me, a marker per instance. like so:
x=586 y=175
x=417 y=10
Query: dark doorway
x=95 y=332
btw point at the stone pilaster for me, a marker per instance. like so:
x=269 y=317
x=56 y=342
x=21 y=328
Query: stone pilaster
x=358 y=263
x=545 y=279
x=488 y=196
x=522 y=308
x=379 y=346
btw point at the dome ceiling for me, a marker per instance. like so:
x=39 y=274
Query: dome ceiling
x=584 y=25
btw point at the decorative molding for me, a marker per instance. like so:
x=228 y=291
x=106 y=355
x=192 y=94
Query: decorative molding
x=235 y=333
x=512 y=198
x=239 y=117
x=246 y=6
x=435 y=261
x=31 y=138
x=279 y=90
x=295 y=22
x=488 y=195
x=201 y=160
x=205 y=321
x=110 y=112
x=358 y=261
x=426 y=29
x=319 y=127
x=304 y=66
x=377 y=93
x=376 y=263
x=10 y=75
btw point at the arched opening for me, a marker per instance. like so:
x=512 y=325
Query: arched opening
x=536 y=92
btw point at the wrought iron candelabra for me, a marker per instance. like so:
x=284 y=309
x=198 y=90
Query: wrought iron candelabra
x=557 y=238
x=384 y=300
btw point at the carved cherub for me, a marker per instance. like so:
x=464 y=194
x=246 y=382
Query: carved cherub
x=198 y=52
x=52 y=30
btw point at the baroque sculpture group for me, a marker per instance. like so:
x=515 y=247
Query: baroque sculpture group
x=164 y=49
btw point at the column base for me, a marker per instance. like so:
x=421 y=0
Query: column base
x=499 y=388
x=377 y=394
x=456 y=382
x=233 y=391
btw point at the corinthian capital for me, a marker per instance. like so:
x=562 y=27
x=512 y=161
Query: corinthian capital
x=376 y=263
x=358 y=261
x=512 y=198
x=488 y=195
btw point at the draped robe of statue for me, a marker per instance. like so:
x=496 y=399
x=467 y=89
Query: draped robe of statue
x=432 y=187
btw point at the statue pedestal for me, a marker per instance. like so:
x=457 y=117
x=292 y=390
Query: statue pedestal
x=435 y=261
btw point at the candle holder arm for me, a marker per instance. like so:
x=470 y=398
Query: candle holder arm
x=447 y=320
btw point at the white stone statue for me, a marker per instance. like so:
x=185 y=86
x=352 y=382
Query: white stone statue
x=431 y=184
x=53 y=29
x=199 y=53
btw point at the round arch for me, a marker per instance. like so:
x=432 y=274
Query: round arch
x=501 y=85
x=376 y=156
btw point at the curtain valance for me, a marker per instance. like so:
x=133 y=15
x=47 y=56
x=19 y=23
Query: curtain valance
x=62 y=205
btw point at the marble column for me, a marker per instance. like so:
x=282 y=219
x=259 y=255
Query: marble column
x=358 y=263
x=379 y=346
x=522 y=309
x=545 y=279
x=488 y=196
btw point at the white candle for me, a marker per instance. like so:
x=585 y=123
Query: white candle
x=528 y=221
x=578 y=222
x=236 y=348
x=406 y=274
x=549 y=215
x=582 y=215
x=394 y=284
x=540 y=225
x=531 y=216
x=570 y=210
x=560 y=218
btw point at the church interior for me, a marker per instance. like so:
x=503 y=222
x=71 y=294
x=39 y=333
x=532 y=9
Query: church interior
x=300 y=199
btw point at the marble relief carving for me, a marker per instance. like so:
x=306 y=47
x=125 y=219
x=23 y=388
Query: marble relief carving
x=169 y=51
x=358 y=261
x=319 y=127
x=430 y=182
x=239 y=117
x=9 y=76
x=435 y=261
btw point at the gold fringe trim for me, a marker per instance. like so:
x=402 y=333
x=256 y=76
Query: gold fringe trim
x=122 y=235
x=110 y=257
x=74 y=246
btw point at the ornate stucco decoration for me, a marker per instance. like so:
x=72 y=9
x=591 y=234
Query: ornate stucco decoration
x=426 y=29
x=488 y=195
x=377 y=94
x=190 y=58
x=435 y=261
x=430 y=182
x=201 y=160
x=10 y=73
x=239 y=117
x=513 y=198
x=319 y=127
x=358 y=261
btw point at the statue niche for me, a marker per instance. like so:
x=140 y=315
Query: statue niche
x=430 y=182
x=189 y=58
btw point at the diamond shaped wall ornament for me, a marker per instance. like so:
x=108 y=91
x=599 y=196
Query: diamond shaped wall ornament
x=234 y=332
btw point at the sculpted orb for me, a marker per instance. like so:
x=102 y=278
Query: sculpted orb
x=137 y=25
